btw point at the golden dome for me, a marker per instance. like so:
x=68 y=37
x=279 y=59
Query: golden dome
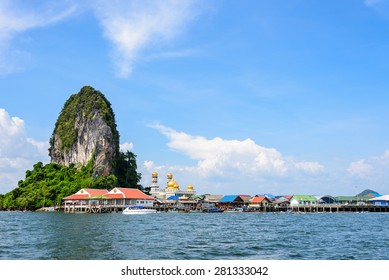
x=171 y=184
x=154 y=175
x=176 y=186
x=190 y=188
x=170 y=176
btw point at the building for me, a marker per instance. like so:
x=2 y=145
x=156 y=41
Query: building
x=382 y=200
x=83 y=199
x=303 y=200
x=259 y=202
x=326 y=199
x=98 y=201
x=172 y=188
x=282 y=202
x=234 y=201
x=269 y=196
x=352 y=200
x=128 y=197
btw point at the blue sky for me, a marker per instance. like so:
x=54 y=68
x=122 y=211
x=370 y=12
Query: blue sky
x=283 y=97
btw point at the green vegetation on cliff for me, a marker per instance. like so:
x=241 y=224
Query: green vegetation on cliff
x=86 y=102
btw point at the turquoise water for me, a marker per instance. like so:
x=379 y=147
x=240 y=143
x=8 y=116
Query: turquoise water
x=218 y=236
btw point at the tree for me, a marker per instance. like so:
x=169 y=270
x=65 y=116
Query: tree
x=126 y=170
x=1 y=201
x=46 y=185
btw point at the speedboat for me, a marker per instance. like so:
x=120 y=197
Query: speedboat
x=135 y=210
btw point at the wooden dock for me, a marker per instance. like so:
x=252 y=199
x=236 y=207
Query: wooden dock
x=93 y=209
x=320 y=208
x=97 y=209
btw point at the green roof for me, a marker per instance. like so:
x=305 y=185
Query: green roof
x=304 y=197
x=351 y=198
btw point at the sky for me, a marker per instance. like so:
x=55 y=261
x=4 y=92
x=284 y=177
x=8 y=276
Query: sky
x=261 y=96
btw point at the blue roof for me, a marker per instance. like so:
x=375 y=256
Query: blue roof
x=268 y=195
x=228 y=198
x=173 y=197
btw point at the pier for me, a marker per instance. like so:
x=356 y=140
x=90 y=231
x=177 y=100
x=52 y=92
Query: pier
x=93 y=209
x=327 y=209
x=341 y=209
x=97 y=209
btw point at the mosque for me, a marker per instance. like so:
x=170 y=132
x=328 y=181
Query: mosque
x=172 y=189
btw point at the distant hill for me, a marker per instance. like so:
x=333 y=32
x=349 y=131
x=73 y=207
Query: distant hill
x=369 y=193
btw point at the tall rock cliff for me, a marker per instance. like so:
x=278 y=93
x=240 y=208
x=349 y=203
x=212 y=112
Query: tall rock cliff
x=86 y=130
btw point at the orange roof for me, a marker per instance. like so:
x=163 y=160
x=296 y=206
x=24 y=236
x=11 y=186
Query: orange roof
x=118 y=193
x=258 y=199
x=76 y=196
x=86 y=193
x=96 y=192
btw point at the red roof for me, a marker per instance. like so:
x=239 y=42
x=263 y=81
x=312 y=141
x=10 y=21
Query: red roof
x=86 y=193
x=259 y=199
x=119 y=193
x=77 y=197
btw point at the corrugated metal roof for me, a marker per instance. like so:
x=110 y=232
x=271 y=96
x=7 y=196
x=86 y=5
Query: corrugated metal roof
x=128 y=193
x=348 y=198
x=259 y=199
x=382 y=197
x=212 y=198
x=268 y=195
x=173 y=197
x=304 y=197
x=116 y=193
x=85 y=193
x=228 y=198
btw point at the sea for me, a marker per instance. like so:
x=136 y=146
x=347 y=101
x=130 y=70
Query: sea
x=194 y=236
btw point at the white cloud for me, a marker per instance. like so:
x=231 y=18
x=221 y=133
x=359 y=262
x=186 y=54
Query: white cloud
x=232 y=166
x=126 y=147
x=372 y=3
x=17 y=17
x=373 y=169
x=309 y=167
x=381 y=7
x=17 y=152
x=133 y=26
x=230 y=158
x=220 y=156
x=360 y=169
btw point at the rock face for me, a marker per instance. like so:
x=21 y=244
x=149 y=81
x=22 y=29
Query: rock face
x=85 y=131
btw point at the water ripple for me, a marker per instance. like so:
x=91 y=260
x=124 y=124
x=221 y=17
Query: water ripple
x=345 y=236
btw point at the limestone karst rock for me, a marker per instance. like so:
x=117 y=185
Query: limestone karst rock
x=86 y=130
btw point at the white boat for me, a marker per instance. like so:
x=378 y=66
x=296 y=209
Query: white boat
x=136 y=210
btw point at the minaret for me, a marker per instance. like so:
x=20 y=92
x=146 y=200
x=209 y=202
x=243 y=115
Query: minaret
x=154 y=188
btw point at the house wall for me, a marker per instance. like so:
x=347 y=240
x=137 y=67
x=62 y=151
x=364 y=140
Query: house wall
x=295 y=202
x=380 y=203
x=139 y=202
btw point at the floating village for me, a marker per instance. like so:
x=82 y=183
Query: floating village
x=171 y=198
